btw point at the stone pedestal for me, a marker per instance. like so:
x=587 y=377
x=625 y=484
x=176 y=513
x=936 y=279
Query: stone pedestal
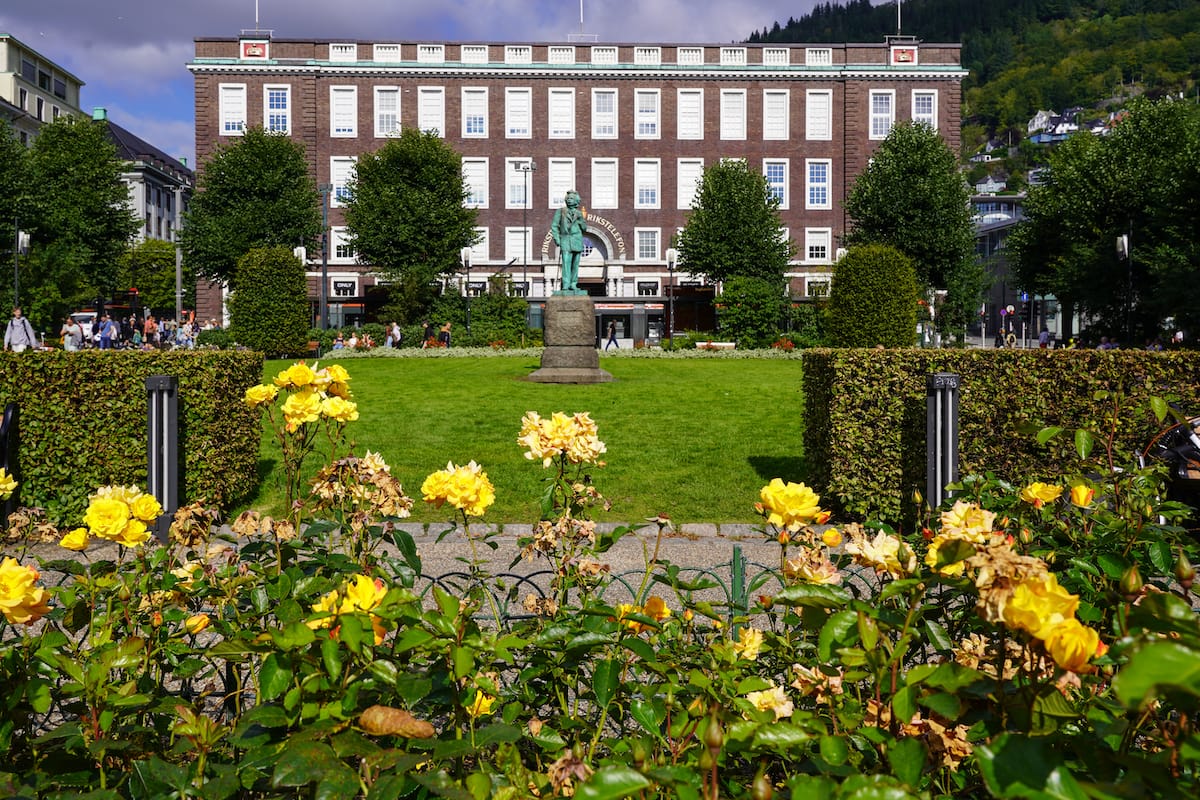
x=570 y=355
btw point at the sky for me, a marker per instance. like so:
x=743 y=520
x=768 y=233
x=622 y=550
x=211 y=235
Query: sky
x=132 y=54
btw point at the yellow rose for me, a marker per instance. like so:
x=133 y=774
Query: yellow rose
x=260 y=394
x=882 y=554
x=967 y=521
x=789 y=505
x=134 y=534
x=467 y=488
x=22 y=601
x=282 y=380
x=1037 y=494
x=772 y=699
x=75 y=540
x=7 y=484
x=931 y=556
x=338 y=409
x=363 y=593
x=656 y=609
x=1082 y=496
x=480 y=705
x=106 y=517
x=1039 y=604
x=339 y=390
x=623 y=612
x=146 y=508
x=1072 y=644
x=337 y=373
x=301 y=407
x=749 y=643
x=196 y=623
x=832 y=537
x=300 y=375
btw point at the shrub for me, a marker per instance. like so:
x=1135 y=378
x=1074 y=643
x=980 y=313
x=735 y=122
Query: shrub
x=873 y=299
x=219 y=338
x=751 y=311
x=269 y=310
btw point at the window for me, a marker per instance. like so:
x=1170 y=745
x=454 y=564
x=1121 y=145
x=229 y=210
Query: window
x=690 y=116
x=647 y=56
x=776 y=172
x=60 y=89
x=277 y=111
x=474 y=113
x=475 y=182
x=388 y=52
x=480 y=250
x=341 y=170
x=733 y=56
x=689 y=55
x=604 y=183
x=23 y=99
x=431 y=53
x=818 y=115
x=776 y=117
x=518 y=54
x=645 y=182
x=343 y=52
x=560 y=180
x=647 y=246
x=688 y=173
x=28 y=70
x=604 y=113
x=924 y=107
x=474 y=54
x=516 y=244
x=44 y=80
x=517 y=111
x=562 y=114
x=647 y=288
x=232 y=100
x=561 y=54
x=646 y=113
x=818 y=57
x=776 y=56
x=817 y=242
x=387 y=110
x=342 y=249
x=41 y=109
x=431 y=109
x=816 y=288
x=343 y=111
x=733 y=114
x=882 y=112
x=816 y=187
x=604 y=55
x=519 y=288
x=517 y=183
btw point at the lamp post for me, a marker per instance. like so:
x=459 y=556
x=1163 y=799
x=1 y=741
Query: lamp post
x=672 y=257
x=465 y=255
x=325 y=189
x=526 y=167
x=20 y=245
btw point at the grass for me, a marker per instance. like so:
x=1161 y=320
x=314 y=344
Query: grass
x=695 y=439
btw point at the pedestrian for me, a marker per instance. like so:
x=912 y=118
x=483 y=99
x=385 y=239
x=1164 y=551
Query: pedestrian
x=612 y=336
x=428 y=334
x=150 y=330
x=19 y=335
x=395 y=335
x=1044 y=338
x=444 y=336
x=72 y=335
x=110 y=332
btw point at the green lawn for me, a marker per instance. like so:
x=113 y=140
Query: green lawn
x=695 y=439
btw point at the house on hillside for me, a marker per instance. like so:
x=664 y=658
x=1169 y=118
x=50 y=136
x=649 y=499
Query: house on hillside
x=990 y=186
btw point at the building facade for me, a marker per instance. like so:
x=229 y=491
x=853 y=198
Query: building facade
x=33 y=89
x=631 y=127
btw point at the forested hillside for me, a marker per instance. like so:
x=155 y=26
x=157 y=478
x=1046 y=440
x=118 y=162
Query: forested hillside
x=1026 y=55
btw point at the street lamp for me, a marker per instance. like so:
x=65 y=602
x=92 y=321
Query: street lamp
x=526 y=167
x=672 y=257
x=465 y=255
x=325 y=189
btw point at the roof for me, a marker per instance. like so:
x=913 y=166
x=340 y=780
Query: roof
x=131 y=147
x=41 y=55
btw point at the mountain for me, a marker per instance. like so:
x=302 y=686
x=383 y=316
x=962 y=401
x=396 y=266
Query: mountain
x=1027 y=55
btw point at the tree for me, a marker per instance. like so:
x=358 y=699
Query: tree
x=751 y=310
x=255 y=192
x=734 y=227
x=405 y=215
x=911 y=197
x=77 y=214
x=150 y=266
x=14 y=161
x=873 y=299
x=269 y=310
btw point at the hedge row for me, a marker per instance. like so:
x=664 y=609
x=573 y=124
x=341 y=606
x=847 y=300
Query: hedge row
x=83 y=423
x=864 y=435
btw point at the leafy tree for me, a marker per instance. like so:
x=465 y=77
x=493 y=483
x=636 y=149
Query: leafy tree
x=405 y=213
x=734 y=227
x=912 y=197
x=255 y=192
x=77 y=216
x=269 y=310
x=751 y=310
x=150 y=266
x=873 y=299
x=14 y=161
x=500 y=316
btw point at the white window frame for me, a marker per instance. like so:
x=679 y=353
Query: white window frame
x=931 y=119
x=685 y=128
x=818 y=115
x=347 y=96
x=733 y=125
x=431 y=114
x=818 y=57
x=232 y=102
x=560 y=54
x=341 y=171
x=601 y=121
x=515 y=180
x=879 y=124
x=602 y=170
x=784 y=193
x=733 y=56
x=338 y=238
x=286 y=111
x=647 y=183
x=478 y=189
x=638 y=254
x=480 y=251
x=429 y=53
x=647 y=56
x=776 y=56
x=343 y=51
x=685 y=169
x=386 y=53
x=647 y=122
x=518 y=54
x=381 y=130
x=604 y=54
x=560 y=179
x=517 y=237
x=560 y=112
x=472 y=96
x=777 y=122
x=518 y=112
x=689 y=56
x=816 y=238
x=810 y=185
x=474 y=54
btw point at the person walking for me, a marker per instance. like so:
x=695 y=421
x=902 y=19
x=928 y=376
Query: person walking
x=428 y=334
x=19 y=335
x=395 y=335
x=109 y=332
x=612 y=336
x=444 y=337
x=72 y=335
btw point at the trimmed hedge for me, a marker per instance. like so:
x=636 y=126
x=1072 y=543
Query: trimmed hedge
x=83 y=423
x=864 y=434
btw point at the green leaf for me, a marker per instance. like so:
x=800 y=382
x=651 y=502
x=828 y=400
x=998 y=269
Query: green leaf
x=1114 y=566
x=1046 y=434
x=1017 y=766
x=1158 y=668
x=273 y=678
x=605 y=679
x=303 y=762
x=351 y=632
x=647 y=714
x=1084 y=442
x=813 y=595
x=838 y=630
x=938 y=636
x=907 y=759
x=1160 y=408
x=612 y=782
x=331 y=656
x=338 y=782
x=781 y=736
x=904 y=703
x=834 y=750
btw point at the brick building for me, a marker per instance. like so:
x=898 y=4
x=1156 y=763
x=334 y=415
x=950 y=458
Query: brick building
x=630 y=126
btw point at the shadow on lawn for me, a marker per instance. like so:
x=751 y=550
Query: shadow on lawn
x=786 y=468
x=261 y=485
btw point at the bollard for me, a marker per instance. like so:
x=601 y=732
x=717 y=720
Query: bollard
x=941 y=435
x=9 y=439
x=162 y=447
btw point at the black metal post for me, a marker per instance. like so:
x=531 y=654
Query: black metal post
x=325 y=189
x=162 y=447
x=941 y=435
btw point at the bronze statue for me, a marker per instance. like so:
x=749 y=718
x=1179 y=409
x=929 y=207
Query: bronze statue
x=567 y=229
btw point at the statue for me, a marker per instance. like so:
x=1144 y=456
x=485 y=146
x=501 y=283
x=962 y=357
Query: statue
x=567 y=229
